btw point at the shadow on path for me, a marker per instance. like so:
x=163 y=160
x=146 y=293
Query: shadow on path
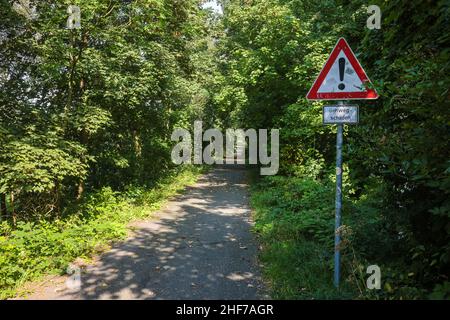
x=199 y=247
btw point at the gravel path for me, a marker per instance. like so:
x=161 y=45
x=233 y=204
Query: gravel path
x=198 y=247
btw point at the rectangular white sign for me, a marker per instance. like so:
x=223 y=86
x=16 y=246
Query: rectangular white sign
x=341 y=114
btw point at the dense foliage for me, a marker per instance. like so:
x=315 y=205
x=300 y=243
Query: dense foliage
x=91 y=107
x=396 y=160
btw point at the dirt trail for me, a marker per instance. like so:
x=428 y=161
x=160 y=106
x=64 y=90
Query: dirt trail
x=198 y=247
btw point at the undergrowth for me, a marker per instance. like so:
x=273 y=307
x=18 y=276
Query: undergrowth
x=294 y=218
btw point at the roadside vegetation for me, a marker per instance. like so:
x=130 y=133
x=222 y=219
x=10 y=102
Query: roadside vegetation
x=295 y=221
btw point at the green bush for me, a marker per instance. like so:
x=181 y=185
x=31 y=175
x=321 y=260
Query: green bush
x=294 y=209
x=294 y=218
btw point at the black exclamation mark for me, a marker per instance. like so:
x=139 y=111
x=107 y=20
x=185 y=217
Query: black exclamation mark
x=341 y=86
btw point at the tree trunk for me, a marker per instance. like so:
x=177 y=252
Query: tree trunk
x=13 y=211
x=3 y=209
x=137 y=144
x=58 y=198
x=80 y=190
x=84 y=141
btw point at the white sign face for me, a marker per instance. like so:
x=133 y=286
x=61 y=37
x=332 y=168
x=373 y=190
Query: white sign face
x=342 y=77
x=341 y=114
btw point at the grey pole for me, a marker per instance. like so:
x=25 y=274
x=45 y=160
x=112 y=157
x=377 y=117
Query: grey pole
x=337 y=237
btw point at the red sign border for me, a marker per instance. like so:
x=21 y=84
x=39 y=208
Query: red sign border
x=369 y=94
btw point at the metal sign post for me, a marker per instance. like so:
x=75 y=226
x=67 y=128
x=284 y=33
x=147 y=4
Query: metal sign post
x=339 y=114
x=338 y=205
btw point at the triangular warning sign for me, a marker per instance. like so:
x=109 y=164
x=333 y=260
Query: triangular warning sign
x=342 y=77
